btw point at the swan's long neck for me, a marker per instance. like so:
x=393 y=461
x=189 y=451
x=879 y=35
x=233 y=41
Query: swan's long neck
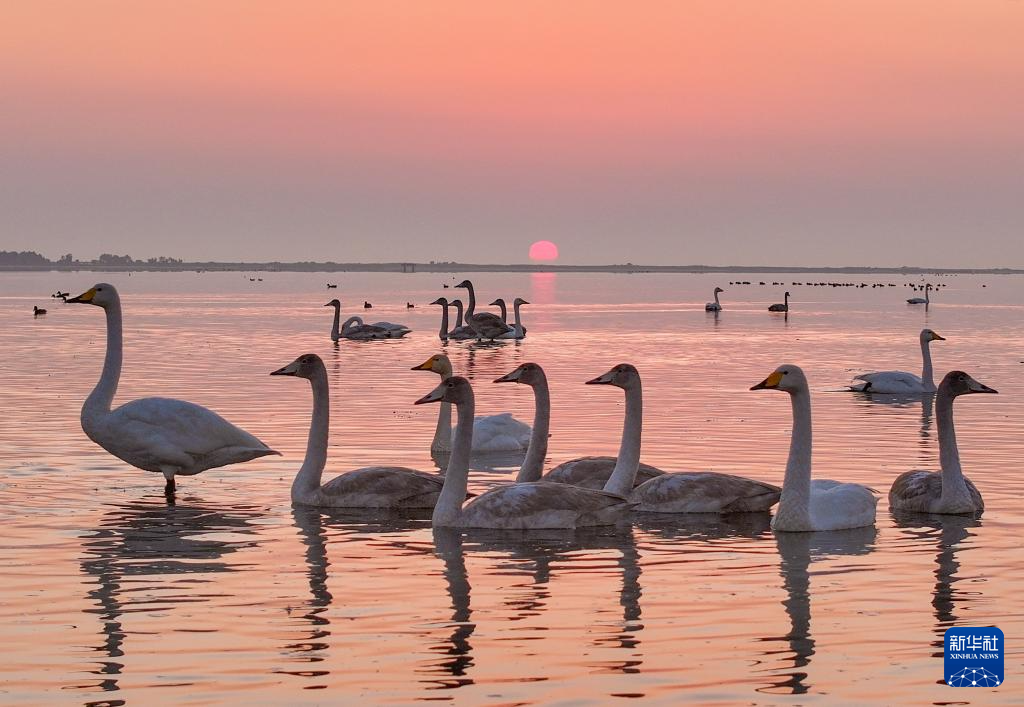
x=336 y=328
x=102 y=396
x=458 y=315
x=716 y=298
x=795 y=503
x=785 y=299
x=308 y=479
x=537 y=452
x=471 y=305
x=628 y=461
x=456 y=478
x=926 y=288
x=518 y=322
x=443 y=334
x=927 y=378
x=954 y=488
x=504 y=311
x=443 y=432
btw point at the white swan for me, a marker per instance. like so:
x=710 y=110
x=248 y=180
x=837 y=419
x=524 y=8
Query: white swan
x=369 y=487
x=946 y=491
x=901 y=382
x=921 y=300
x=514 y=506
x=491 y=433
x=354 y=328
x=487 y=325
x=588 y=472
x=715 y=306
x=784 y=307
x=518 y=302
x=820 y=504
x=172 y=437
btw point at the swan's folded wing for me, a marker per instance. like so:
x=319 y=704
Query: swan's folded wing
x=594 y=472
x=187 y=426
x=383 y=486
x=890 y=382
x=539 y=504
x=704 y=492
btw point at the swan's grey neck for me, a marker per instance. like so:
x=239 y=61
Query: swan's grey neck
x=926 y=288
x=443 y=432
x=624 y=474
x=307 y=481
x=458 y=316
x=471 y=296
x=456 y=478
x=443 y=334
x=102 y=396
x=795 y=503
x=954 y=487
x=927 y=378
x=518 y=327
x=352 y=321
x=504 y=312
x=537 y=452
x=716 y=298
x=336 y=328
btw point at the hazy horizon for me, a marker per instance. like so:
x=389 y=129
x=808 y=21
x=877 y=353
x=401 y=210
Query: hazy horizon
x=788 y=133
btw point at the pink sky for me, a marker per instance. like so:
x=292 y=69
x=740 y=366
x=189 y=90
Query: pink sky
x=846 y=132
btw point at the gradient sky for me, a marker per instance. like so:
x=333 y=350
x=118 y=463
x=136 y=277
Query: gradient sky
x=847 y=132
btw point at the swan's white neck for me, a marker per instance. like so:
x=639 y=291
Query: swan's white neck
x=102 y=396
x=518 y=326
x=628 y=462
x=716 y=298
x=442 y=441
x=307 y=481
x=456 y=478
x=537 y=452
x=927 y=377
x=954 y=487
x=443 y=334
x=795 y=504
x=336 y=328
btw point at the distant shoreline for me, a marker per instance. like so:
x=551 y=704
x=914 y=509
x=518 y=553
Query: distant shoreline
x=628 y=268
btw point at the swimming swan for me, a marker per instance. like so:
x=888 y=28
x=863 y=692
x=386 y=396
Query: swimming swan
x=921 y=300
x=173 y=437
x=588 y=472
x=353 y=328
x=491 y=433
x=513 y=506
x=369 y=487
x=946 y=491
x=519 y=327
x=715 y=306
x=784 y=307
x=901 y=382
x=487 y=325
x=820 y=504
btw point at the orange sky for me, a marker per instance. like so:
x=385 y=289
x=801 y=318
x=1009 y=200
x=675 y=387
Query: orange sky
x=530 y=109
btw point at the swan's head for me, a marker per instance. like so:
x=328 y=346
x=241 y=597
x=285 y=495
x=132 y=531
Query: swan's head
x=333 y=303
x=455 y=302
x=303 y=367
x=438 y=363
x=624 y=375
x=929 y=335
x=719 y=289
x=102 y=295
x=497 y=303
x=465 y=283
x=441 y=301
x=786 y=377
x=454 y=390
x=519 y=301
x=528 y=374
x=959 y=383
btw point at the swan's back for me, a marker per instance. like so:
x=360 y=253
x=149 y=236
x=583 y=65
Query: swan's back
x=539 y=504
x=151 y=433
x=594 y=472
x=500 y=433
x=704 y=492
x=488 y=325
x=919 y=491
x=835 y=505
x=377 y=487
x=893 y=382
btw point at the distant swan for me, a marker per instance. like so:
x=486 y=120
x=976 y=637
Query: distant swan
x=820 y=504
x=715 y=306
x=901 y=382
x=588 y=472
x=173 y=437
x=491 y=433
x=369 y=487
x=487 y=325
x=784 y=307
x=518 y=331
x=379 y=330
x=460 y=331
x=443 y=333
x=516 y=506
x=921 y=300
x=518 y=302
x=946 y=491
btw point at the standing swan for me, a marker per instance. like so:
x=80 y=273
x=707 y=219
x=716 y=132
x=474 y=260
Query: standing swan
x=921 y=300
x=172 y=437
x=715 y=306
x=588 y=472
x=491 y=433
x=369 y=487
x=513 y=506
x=946 y=491
x=820 y=504
x=784 y=307
x=901 y=382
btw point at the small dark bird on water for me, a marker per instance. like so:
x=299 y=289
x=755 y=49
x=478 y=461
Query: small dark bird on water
x=409 y=305
x=36 y=311
x=331 y=287
x=367 y=305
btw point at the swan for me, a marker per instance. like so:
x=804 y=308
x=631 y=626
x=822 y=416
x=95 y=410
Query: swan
x=946 y=491
x=369 y=487
x=173 y=437
x=36 y=311
x=921 y=300
x=443 y=333
x=379 y=330
x=487 y=325
x=491 y=433
x=901 y=382
x=715 y=306
x=588 y=472
x=500 y=304
x=820 y=504
x=518 y=331
x=461 y=331
x=784 y=307
x=519 y=506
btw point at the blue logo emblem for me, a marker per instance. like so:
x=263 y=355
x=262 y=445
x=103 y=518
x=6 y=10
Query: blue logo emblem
x=974 y=657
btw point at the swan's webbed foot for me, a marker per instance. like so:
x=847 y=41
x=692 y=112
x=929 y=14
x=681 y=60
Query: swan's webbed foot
x=169 y=489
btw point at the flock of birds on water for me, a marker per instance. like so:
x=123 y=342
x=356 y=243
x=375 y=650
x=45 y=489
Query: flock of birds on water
x=179 y=438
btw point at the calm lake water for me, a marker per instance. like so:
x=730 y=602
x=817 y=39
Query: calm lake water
x=112 y=596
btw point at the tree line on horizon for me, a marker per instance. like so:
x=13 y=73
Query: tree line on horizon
x=30 y=257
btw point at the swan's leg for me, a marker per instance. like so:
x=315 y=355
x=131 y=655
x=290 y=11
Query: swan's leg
x=169 y=487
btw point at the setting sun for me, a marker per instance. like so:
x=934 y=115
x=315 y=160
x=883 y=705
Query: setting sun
x=544 y=251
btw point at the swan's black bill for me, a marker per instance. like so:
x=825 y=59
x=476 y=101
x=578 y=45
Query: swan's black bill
x=604 y=379
x=433 y=396
x=284 y=371
x=512 y=377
